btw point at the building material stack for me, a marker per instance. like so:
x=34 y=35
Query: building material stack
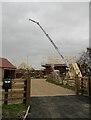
x=71 y=75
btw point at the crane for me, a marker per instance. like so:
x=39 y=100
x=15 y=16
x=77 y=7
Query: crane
x=56 y=48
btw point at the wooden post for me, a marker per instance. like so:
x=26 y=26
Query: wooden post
x=76 y=85
x=28 y=91
x=25 y=83
x=89 y=86
x=82 y=91
x=6 y=97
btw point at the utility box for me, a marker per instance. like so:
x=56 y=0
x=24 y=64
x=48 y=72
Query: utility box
x=6 y=83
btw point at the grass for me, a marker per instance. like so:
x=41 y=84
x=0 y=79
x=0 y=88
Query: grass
x=13 y=111
x=14 y=107
x=62 y=85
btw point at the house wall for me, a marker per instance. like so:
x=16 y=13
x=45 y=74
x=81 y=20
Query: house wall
x=0 y=74
x=9 y=73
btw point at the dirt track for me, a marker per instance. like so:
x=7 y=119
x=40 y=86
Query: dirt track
x=39 y=87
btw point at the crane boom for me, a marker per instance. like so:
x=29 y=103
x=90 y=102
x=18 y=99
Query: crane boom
x=50 y=41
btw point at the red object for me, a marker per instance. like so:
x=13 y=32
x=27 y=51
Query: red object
x=4 y=63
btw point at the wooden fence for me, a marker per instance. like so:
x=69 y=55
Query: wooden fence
x=83 y=85
x=19 y=92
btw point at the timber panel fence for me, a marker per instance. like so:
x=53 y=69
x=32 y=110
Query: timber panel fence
x=83 y=85
x=19 y=92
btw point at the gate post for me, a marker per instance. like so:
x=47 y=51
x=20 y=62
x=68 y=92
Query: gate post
x=27 y=90
x=82 y=91
x=25 y=87
x=76 y=85
x=89 y=86
x=6 y=97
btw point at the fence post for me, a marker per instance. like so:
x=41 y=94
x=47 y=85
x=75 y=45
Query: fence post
x=6 y=96
x=25 y=86
x=76 y=85
x=28 y=91
x=82 y=91
x=89 y=86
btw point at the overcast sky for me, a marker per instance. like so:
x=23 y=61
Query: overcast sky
x=66 y=23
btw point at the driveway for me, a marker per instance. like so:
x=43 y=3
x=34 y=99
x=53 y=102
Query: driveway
x=52 y=101
x=39 y=87
x=62 y=107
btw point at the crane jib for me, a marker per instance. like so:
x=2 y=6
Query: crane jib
x=67 y=64
x=47 y=36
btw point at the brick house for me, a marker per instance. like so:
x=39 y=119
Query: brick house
x=7 y=69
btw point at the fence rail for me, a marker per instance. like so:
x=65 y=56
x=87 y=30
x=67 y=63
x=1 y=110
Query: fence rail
x=83 y=85
x=19 y=92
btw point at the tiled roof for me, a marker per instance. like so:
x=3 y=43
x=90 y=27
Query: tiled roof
x=4 y=63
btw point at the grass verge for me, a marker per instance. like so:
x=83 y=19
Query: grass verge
x=14 y=111
x=62 y=85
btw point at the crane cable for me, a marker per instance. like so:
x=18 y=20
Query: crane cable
x=51 y=41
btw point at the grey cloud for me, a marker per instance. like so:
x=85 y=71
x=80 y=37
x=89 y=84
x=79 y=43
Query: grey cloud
x=66 y=23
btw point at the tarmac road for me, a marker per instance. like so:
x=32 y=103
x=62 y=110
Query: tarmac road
x=62 y=107
x=51 y=101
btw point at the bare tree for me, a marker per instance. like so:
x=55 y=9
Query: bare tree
x=84 y=62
